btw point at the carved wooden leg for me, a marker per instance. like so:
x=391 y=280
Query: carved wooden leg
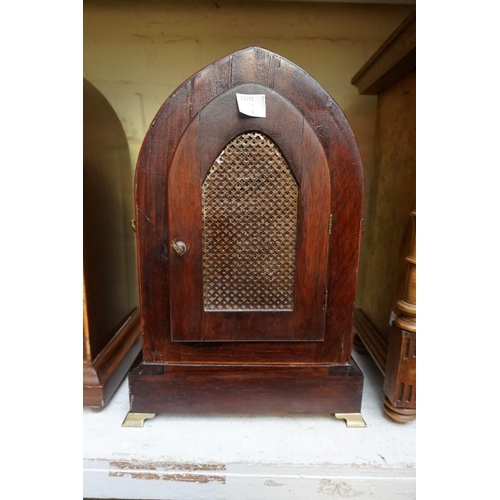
x=400 y=369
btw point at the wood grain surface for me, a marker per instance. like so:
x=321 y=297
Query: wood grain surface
x=328 y=128
x=298 y=360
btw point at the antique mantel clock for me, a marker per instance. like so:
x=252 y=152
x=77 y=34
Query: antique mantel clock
x=249 y=201
x=111 y=322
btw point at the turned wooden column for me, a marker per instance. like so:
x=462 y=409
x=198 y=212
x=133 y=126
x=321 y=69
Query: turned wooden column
x=400 y=370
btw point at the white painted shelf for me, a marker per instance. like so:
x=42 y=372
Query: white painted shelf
x=244 y=457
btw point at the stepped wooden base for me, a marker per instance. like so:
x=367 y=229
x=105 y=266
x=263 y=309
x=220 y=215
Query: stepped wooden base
x=399 y=415
x=247 y=389
x=102 y=377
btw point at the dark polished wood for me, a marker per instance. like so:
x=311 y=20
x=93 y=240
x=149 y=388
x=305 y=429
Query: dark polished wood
x=216 y=125
x=179 y=335
x=246 y=389
x=110 y=298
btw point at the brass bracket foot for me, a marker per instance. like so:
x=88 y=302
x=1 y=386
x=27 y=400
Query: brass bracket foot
x=136 y=419
x=352 y=419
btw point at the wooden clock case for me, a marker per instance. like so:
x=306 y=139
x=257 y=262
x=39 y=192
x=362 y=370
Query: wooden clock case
x=264 y=332
x=111 y=321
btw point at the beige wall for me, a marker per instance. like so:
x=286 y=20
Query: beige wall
x=137 y=53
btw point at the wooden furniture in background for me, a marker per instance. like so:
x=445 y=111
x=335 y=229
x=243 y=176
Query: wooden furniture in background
x=248 y=234
x=111 y=320
x=391 y=74
x=400 y=368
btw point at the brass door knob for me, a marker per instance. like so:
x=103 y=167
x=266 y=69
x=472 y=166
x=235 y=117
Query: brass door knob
x=179 y=247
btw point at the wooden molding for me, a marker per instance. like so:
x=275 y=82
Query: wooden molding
x=395 y=59
x=373 y=341
x=102 y=376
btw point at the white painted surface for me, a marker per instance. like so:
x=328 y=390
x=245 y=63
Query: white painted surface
x=248 y=457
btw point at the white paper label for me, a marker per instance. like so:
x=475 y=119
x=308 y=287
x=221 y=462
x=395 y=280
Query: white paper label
x=252 y=104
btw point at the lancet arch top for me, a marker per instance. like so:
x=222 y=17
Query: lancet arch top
x=319 y=120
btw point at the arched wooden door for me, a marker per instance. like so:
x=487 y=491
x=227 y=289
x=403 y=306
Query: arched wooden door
x=248 y=212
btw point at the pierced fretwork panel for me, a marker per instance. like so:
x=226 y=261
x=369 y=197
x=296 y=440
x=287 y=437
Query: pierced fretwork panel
x=249 y=204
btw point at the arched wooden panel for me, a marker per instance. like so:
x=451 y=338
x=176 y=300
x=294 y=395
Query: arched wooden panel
x=327 y=127
x=198 y=149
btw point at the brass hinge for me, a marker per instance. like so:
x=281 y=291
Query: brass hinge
x=325 y=299
x=330 y=221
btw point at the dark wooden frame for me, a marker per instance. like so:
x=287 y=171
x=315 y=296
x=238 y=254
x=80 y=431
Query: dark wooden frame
x=186 y=376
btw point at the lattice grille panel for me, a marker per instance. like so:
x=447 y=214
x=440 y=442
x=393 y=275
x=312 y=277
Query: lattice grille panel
x=249 y=201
